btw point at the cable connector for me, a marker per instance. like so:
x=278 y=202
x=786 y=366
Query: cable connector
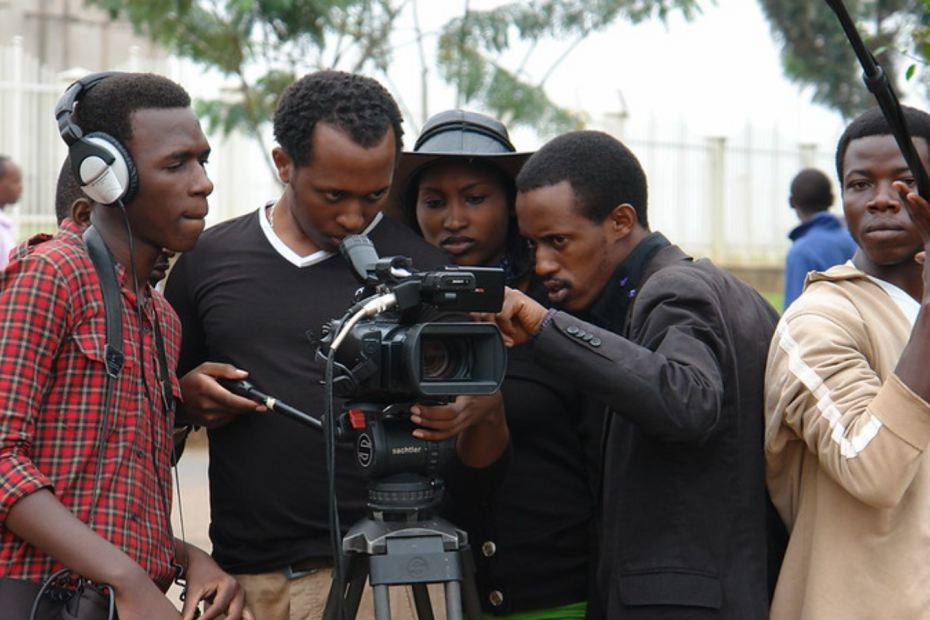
x=369 y=307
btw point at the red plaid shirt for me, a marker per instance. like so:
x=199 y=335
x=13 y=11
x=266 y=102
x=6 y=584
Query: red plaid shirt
x=52 y=391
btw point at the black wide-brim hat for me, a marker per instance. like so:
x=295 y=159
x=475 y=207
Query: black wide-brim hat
x=455 y=134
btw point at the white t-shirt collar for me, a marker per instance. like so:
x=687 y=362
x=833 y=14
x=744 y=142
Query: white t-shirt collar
x=909 y=306
x=290 y=255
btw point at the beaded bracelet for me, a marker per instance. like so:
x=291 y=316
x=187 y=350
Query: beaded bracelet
x=545 y=322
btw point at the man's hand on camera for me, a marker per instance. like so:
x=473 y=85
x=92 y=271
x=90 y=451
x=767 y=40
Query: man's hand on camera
x=478 y=420
x=519 y=318
x=207 y=403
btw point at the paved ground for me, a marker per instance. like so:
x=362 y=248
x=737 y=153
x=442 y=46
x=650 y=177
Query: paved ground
x=192 y=497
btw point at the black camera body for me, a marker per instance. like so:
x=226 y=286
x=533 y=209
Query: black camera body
x=385 y=361
x=390 y=358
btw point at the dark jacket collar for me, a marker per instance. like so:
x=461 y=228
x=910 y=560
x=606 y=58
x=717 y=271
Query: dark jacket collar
x=613 y=305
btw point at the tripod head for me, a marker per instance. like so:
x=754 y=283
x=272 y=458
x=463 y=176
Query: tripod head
x=403 y=471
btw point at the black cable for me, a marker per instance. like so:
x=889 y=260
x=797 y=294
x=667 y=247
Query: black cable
x=335 y=529
x=132 y=267
x=111 y=598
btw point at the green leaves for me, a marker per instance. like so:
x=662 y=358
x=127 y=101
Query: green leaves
x=471 y=48
x=816 y=53
x=260 y=45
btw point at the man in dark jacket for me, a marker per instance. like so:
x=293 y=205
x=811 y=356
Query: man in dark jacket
x=674 y=350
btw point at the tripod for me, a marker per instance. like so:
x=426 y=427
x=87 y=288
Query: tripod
x=402 y=543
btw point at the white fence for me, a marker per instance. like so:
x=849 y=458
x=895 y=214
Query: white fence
x=720 y=197
x=28 y=133
x=726 y=198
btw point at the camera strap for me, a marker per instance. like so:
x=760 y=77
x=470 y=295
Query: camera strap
x=114 y=357
x=106 y=272
x=87 y=600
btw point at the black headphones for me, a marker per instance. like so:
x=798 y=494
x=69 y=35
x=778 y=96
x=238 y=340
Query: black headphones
x=100 y=164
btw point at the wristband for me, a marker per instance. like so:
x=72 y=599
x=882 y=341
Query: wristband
x=545 y=322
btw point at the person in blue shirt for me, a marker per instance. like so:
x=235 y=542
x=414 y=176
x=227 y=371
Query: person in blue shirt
x=821 y=239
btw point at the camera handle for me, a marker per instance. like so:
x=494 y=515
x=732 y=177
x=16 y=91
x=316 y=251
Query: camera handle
x=243 y=388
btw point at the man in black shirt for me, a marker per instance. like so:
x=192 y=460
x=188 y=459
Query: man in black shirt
x=247 y=296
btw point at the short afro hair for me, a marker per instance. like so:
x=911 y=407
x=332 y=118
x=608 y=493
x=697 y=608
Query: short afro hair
x=601 y=170
x=66 y=192
x=108 y=105
x=811 y=191
x=872 y=123
x=355 y=104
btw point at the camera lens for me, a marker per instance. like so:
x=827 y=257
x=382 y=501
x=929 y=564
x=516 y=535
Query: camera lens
x=442 y=359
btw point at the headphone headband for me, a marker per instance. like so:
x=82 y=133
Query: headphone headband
x=64 y=110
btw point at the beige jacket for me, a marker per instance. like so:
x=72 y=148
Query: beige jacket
x=845 y=449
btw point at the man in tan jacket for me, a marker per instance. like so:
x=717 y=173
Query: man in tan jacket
x=848 y=401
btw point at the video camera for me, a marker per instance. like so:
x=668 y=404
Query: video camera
x=384 y=361
x=382 y=356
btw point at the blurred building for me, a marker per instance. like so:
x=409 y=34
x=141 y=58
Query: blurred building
x=64 y=34
x=44 y=46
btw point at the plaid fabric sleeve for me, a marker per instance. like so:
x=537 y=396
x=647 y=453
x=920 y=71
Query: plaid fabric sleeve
x=33 y=316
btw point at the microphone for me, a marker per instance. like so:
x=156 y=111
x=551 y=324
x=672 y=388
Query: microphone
x=247 y=390
x=360 y=253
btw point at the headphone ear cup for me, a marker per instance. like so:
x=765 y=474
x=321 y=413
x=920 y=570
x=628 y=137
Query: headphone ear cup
x=104 y=169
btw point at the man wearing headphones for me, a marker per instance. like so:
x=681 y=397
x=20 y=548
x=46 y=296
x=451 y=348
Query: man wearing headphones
x=86 y=430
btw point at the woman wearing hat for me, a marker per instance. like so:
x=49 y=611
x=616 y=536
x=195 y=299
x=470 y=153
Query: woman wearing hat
x=534 y=543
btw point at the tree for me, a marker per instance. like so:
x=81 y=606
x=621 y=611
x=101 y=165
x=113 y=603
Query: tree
x=470 y=48
x=261 y=44
x=816 y=53
x=922 y=37
x=264 y=44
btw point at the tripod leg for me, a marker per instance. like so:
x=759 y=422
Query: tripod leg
x=335 y=604
x=470 y=601
x=354 y=594
x=343 y=600
x=453 y=600
x=422 y=602
x=381 y=596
